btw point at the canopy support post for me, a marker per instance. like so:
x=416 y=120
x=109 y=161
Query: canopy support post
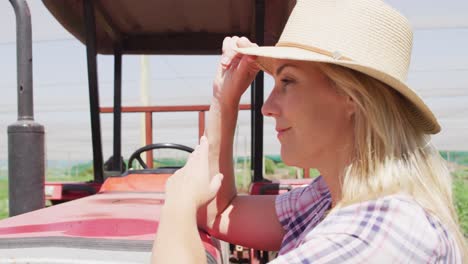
x=257 y=99
x=117 y=161
x=91 y=53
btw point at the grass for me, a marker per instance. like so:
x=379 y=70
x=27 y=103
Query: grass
x=3 y=198
x=78 y=178
x=460 y=190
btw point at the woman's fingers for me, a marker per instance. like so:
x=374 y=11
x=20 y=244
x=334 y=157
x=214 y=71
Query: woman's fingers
x=229 y=53
x=244 y=42
x=248 y=67
x=215 y=184
x=204 y=146
x=193 y=183
x=235 y=71
x=230 y=57
x=198 y=152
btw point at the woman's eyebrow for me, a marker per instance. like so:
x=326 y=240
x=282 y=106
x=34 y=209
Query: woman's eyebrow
x=281 y=68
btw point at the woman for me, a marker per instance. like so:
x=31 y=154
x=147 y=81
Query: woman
x=341 y=105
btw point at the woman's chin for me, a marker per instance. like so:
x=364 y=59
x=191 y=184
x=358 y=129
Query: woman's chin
x=287 y=158
x=297 y=158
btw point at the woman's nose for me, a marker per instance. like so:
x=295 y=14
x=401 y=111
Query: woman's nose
x=270 y=107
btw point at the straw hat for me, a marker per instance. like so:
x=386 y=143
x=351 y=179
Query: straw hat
x=364 y=35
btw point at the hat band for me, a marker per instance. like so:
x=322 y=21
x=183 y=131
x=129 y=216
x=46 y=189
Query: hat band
x=335 y=55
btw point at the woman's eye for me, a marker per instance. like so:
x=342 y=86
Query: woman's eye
x=286 y=81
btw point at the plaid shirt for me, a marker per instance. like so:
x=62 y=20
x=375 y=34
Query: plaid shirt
x=391 y=229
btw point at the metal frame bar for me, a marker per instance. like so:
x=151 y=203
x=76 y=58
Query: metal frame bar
x=103 y=18
x=168 y=108
x=257 y=99
x=149 y=138
x=149 y=110
x=117 y=162
x=201 y=124
x=91 y=52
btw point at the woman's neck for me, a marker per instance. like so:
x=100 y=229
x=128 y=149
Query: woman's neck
x=334 y=186
x=332 y=170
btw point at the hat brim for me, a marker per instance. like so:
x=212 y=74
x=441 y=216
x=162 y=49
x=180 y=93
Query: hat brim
x=420 y=113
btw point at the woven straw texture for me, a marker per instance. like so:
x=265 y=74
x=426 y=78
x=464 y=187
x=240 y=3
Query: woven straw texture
x=364 y=35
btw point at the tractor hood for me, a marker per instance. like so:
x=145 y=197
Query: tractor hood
x=109 y=227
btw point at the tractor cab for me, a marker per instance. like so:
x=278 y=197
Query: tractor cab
x=114 y=217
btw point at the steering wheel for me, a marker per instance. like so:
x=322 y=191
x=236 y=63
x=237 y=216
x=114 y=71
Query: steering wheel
x=136 y=154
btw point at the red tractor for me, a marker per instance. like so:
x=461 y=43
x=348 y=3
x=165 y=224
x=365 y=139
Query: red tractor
x=114 y=219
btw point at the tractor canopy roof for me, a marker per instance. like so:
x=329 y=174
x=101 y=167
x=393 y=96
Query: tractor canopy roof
x=171 y=26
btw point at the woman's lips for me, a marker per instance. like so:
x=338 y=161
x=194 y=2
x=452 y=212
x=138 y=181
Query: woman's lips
x=282 y=131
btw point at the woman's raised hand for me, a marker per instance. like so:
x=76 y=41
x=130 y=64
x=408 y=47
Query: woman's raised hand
x=192 y=185
x=235 y=71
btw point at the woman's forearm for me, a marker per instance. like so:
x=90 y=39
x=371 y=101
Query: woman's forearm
x=235 y=73
x=178 y=240
x=222 y=119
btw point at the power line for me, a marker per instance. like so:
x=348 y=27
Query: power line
x=439 y=70
x=41 y=41
x=440 y=28
x=109 y=83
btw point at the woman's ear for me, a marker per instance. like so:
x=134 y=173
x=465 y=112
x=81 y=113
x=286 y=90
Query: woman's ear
x=350 y=106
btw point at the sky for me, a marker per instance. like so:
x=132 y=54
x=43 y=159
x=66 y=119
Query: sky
x=438 y=72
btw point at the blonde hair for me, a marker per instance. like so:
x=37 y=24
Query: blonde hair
x=391 y=153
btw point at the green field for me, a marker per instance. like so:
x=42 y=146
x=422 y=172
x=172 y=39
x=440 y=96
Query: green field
x=3 y=198
x=274 y=169
x=460 y=189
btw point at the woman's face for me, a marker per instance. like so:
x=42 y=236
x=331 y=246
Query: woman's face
x=313 y=120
